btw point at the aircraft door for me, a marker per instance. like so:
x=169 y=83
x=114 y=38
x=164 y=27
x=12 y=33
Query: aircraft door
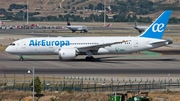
x=23 y=44
x=135 y=43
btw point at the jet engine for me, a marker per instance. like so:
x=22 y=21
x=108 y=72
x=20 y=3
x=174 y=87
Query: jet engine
x=67 y=53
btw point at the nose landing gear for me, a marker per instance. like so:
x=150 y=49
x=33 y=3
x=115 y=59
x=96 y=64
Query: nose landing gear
x=21 y=58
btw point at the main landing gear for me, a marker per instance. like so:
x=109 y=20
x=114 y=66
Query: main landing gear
x=21 y=57
x=89 y=57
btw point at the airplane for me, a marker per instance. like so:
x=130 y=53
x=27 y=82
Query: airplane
x=140 y=28
x=76 y=28
x=70 y=47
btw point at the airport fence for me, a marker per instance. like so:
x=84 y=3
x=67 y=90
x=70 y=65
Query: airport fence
x=88 y=84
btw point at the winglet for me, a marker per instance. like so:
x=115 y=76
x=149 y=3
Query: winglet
x=157 y=28
x=68 y=22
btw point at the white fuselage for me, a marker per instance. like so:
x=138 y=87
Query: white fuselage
x=51 y=45
x=141 y=28
x=77 y=28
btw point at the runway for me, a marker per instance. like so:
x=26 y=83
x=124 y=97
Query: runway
x=116 y=30
x=63 y=29
x=105 y=65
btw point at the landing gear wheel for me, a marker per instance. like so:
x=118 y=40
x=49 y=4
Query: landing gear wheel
x=90 y=58
x=60 y=58
x=21 y=59
x=87 y=58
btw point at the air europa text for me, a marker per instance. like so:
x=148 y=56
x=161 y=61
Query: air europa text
x=49 y=43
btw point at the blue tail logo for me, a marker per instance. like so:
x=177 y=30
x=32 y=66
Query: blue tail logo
x=156 y=29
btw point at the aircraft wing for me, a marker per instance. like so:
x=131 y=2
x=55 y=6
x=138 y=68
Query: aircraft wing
x=96 y=47
x=80 y=28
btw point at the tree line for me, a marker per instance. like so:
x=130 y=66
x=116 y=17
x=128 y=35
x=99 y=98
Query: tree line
x=21 y=15
x=120 y=9
x=17 y=6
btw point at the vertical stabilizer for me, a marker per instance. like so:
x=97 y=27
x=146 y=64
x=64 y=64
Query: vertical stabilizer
x=135 y=24
x=68 y=22
x=1 y=23
x=109 y=25
x=157 y=28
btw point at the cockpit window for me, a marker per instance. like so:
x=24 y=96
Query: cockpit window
x=12 y=44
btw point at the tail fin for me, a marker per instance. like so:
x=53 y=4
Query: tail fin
x=135 y=24
x=68 y=22
x=109 y=25
x=157 y=28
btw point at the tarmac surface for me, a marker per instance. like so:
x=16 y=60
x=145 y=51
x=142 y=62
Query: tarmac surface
x=138 y=65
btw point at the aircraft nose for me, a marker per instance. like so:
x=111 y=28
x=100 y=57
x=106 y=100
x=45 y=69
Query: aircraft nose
x=7 y=49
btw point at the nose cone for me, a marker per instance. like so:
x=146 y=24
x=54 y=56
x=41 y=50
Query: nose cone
x=7 y=50
x=11 y=50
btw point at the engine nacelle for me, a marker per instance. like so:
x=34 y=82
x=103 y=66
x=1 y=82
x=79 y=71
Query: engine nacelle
x=67 y=53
